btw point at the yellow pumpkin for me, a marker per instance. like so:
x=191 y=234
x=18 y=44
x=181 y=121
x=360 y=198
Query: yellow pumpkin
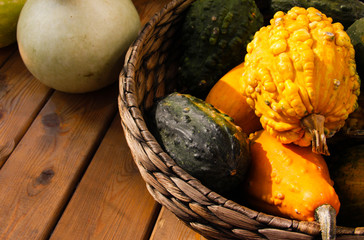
x=300 y=77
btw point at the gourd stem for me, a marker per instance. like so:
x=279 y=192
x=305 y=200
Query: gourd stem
x=314 y=123
x=326 y=216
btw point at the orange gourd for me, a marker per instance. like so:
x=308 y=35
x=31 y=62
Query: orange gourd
x=290 y=181
x=226 y=95
x=300 y=77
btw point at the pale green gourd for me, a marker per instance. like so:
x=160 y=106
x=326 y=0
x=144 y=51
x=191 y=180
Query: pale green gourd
x=76 y=46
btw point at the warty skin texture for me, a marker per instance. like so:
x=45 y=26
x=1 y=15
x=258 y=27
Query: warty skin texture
x=300 y=77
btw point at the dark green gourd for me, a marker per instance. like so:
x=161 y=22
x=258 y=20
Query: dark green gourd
x=343 y=11
x=215 y=34
x=347 y=171
x=356 y=34
x=202 y=140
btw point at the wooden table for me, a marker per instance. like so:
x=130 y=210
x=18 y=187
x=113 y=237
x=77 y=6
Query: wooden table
x=66 y=169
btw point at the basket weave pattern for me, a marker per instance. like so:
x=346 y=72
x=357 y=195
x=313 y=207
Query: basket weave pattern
x=148 y=74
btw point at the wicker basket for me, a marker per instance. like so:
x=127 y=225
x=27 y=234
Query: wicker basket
x=149 y=73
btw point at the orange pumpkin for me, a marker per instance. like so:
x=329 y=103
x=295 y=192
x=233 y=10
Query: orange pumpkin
x=290 y=181
x=227 y=96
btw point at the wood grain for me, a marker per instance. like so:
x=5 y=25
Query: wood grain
x=111 y=201
x=147 y=8
x=169 y=227
x=21 y=98
x=47 y=140
x=41 y=173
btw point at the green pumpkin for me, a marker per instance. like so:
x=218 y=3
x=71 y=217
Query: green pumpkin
x=354 y=124
x=202 y=140
x=347 y=171
x=343 y=11
x=356 y=34
x=214 y=35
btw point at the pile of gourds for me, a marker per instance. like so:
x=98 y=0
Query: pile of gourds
x=294 y=90
x=299 y=76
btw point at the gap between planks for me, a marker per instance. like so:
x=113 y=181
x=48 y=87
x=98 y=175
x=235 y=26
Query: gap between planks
x=168 y=226
x=111 y=201
x=44 y=168
x=21 y=97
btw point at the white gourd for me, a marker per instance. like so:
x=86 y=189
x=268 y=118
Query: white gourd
x=76 y=46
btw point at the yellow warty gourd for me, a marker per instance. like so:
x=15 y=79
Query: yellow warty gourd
x=300 y=77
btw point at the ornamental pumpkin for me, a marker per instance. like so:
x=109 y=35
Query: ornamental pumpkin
x=349 y=182
x=214 y=37
x=354 y=125
x=202 y=140
x=300 y=77
x=226 y=95
x=290 y=181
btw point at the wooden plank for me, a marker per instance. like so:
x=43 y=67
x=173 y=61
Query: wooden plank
x=43 y=170
x=5 y=52
x=147 y=8
x=111 y=201
x=169 y=227
x=17 y=112
x=21 y=98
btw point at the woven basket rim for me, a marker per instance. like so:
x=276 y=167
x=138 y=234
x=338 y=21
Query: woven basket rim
x=131 y=115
